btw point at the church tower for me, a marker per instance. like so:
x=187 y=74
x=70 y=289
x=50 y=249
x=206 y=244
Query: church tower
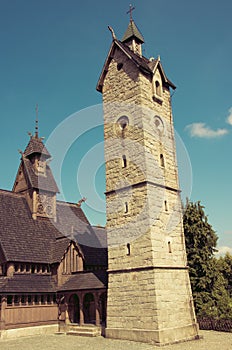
x=149 y=293
x=35 y=180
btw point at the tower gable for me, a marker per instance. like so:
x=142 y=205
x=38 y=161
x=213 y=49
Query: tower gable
x=140 y=64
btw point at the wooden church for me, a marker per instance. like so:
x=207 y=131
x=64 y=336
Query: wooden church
x=55 y=272
x=52 y=261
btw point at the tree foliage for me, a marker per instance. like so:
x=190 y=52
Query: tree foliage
x=225 y=267
x=209 y=284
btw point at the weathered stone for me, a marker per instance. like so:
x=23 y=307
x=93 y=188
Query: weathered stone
x=149 y=294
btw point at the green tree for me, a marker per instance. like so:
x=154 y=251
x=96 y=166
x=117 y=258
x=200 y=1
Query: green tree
x=210 y=295
x=225 y=266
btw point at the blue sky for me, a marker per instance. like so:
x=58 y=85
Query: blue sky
x=52 y=53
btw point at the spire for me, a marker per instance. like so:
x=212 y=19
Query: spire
x=36 y=145
x=36 y=121
x=132 y=31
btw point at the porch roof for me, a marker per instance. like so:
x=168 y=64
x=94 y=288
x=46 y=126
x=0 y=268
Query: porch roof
x=85 y=280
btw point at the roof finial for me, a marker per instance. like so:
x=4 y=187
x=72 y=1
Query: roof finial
x=36 y=120
x=81 y=201
x=132 y=8
x=112 y=32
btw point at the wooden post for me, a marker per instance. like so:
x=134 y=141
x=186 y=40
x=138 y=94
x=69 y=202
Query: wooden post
x=98 y=321
x=82 y=321
x=2 y=313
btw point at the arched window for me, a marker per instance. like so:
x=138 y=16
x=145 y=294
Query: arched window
x=123 y=121
x=157 y=88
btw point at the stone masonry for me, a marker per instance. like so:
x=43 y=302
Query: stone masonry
x=149 y=293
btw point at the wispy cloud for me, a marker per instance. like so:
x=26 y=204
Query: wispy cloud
x=229 y=118
x=204 y=131
x=223 y=250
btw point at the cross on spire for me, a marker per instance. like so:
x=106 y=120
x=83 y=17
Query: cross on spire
x=132 y=8
x=36 y=120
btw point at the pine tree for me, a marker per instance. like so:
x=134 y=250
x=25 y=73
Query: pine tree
x=210 y=295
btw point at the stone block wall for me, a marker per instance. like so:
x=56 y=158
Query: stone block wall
x=149 y=293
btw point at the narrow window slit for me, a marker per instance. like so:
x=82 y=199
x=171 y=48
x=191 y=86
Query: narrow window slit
x=128 y=249
x=166 y=205
x=126 y=209
x=162 y=160
x=124 y=161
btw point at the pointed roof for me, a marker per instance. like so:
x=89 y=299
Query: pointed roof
x=35 y=145
x=132 y=32
x=33 y=179
x=41 y=182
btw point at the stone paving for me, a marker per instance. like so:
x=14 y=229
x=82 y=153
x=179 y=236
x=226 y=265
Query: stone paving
x=211 y=341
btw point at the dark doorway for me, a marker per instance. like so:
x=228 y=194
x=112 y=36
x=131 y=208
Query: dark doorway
x=74 y=309
x=89 y=309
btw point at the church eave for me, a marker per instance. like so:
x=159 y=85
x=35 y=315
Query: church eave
x=105 y=67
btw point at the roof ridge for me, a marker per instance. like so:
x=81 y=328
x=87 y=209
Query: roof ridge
x=67 y=203
x=11 y=193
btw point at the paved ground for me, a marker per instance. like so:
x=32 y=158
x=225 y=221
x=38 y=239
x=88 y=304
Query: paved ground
x=211 y=341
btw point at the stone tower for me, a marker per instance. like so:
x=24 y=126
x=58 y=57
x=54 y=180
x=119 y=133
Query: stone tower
x=149 y=293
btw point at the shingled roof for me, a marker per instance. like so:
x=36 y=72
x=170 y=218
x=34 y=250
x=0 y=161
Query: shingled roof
x=23 y=239
x=35 y=145
x=86 y=280
x=95 y=250
x=27 y=283
x=39 y=181
x=132 y=32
